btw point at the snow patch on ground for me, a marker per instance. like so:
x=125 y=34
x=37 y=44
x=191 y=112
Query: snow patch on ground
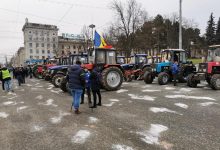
x=189 y=97
x=93 y=120
x=114 y=100
x=121 y=91
x=39 y=97
x=57 y=92
x=21 y=108
x=184 y=90
x=151 y=90
x=207 y=104
x=8 y=103
x=12 y=97
x=48 y=103
x=121 y=147
x=181 y=105
x=3 y=115
x=153 y=134
x=58 y=119
x=36 y=128
x=29 y=85
x=40 y=86
x=170 y=88
x=81 y=136
x=124 y=83
x=109 y=105
x=146 y=97
x=146 y=86
x=162 y=109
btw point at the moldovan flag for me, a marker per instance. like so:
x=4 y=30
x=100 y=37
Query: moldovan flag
x=100 y=42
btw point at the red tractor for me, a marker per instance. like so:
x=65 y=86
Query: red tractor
x=209 y=71
x=105 y=62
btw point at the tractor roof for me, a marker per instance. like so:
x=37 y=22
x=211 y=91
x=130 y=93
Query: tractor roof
x=140 y=55
x=120 y=56
x=176 y=50
x=214 y=47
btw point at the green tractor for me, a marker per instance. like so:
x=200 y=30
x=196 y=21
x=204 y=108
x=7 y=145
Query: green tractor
x=163 y=71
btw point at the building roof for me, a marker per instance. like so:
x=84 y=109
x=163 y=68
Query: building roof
x=39 y=26
x=177 y=50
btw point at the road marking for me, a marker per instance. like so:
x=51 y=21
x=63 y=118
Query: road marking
x=151 y=90
x=93 y=120
x=181 y=105
x=39 y=97
x=81 y=136
x=121 y=91
x=121 y=147
x=3 y=115
x=48 y=103
x=114 y=100
x=189 y=97
x=146 y=97
x=207 y=104
x=153 y=134
x=162 y=109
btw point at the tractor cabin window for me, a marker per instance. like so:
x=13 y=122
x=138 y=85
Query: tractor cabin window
x=100 y=57
x=111 y=58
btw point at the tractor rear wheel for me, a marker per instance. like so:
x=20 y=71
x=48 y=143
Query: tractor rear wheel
x=148 y=79
x=56 y=81
x=163 y=78
x=63 y=85
x=182 y=76
x=215 y=82
x=191 y=82
x=112 y=78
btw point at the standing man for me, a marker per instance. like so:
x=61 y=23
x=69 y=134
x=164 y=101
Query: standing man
x=6 y=77
x=3 y=87
x=175 y=71
x=76 y=79
x=95 y=86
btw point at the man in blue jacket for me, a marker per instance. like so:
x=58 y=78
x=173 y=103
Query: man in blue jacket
x=175 y=71
x=76 y=79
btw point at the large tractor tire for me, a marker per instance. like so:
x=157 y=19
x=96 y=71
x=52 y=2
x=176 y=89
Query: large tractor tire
x=39 y=76
x=56 y=81
x=215 y=82
x=182 y=76
x=191 y=82
x=163 y=78
x=47 y=78
x=112 y=78
x=63 y=85
x=148 y=78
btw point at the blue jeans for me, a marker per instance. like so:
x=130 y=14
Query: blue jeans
x=7 y=85
x=76 y=94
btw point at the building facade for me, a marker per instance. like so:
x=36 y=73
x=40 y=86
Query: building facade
x=40 y=41
x=68 y=45
x=19 y=58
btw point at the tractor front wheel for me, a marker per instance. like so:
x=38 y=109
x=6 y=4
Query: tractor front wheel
x=163 y=78
x=215 y=82
x=148 y=79
x=191 y=82
x=112 y=78
x=56 y=81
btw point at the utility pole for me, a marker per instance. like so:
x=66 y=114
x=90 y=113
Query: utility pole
x=180 y=25
x=6 y=60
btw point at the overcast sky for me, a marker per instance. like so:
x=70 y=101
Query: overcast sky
x=70 y=18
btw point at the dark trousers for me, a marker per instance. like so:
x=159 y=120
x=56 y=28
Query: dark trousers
x=23 y=79
x=94 y=93
x=3 y=87
x=174 y=79
x=88 y=92
x=19 y=78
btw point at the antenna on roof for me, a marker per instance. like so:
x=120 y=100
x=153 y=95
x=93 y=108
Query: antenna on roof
x=26 y=20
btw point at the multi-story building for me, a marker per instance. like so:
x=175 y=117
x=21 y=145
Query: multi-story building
x=71 y=44
x=19 y=58
x=40 y=41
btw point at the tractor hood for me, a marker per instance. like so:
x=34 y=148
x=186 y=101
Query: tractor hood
x=58 y=67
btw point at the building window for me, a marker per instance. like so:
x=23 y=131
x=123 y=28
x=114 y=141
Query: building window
x=43 y=51
x=42 y=33
x=36 y=38
x=48 y=51
x=31 y=57
x=43 y=57
x=36 y=33
x=74 y=47
x=42 y=39
x=48 y=39
x=54 y=39
x=48 y=33
x=42 y=44
x=37 y=57
x=31 y=51
x=30 y=38
x=30 y=44
x=37 y=44
x=48 y=45
x=80 y=47
x=37 y=51
x=29 y=32
x=53 y=33
x=54 y=46
x=74 y=52
x=62 y=46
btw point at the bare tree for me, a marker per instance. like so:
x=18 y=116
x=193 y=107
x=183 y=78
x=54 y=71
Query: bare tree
x=130 y=17
x=87 y=34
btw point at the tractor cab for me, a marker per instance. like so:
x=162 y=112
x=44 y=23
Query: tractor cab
x=83 y=57
x=121 y=60
x=138 y=60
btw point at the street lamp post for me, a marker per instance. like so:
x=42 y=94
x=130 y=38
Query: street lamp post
x=180 y=24
x=92 y=26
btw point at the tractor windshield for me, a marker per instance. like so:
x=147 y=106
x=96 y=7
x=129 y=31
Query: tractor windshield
x=138 y=59
x=170 y=56
x=214 y=54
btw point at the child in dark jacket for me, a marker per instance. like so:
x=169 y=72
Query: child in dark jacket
x=95 y=86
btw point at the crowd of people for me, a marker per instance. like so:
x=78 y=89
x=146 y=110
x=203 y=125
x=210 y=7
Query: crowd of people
x=19 y=73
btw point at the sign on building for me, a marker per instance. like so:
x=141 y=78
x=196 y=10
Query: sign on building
x=73 y=36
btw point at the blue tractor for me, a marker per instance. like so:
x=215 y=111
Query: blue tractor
x=163 y=71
